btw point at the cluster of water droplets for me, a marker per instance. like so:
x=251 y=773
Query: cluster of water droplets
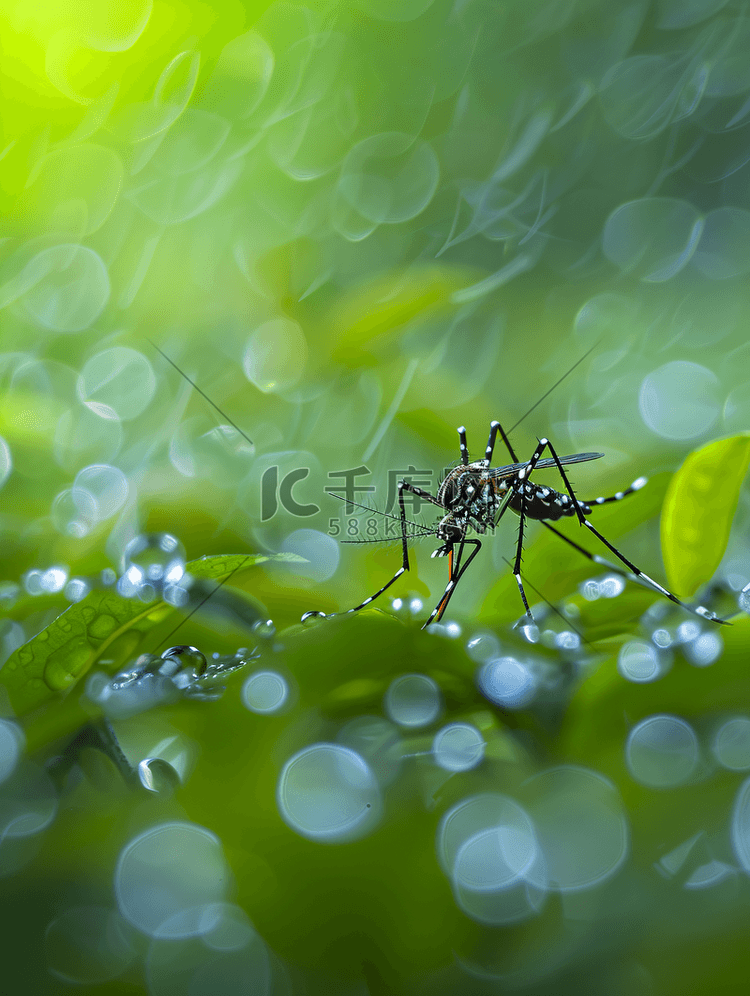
x=563 y=830
x=153 y=566
x=180 y=671
x=514 y=675
x=666 y=631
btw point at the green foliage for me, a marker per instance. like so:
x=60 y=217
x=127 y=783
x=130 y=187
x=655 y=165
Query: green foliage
x=103 y=628
x=698 y=511
x=356 y=226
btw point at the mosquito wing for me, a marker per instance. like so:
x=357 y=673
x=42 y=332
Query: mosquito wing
x=511 y=469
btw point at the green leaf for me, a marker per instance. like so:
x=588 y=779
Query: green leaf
x=223 y=566
x=104 y=629
x=698 y=510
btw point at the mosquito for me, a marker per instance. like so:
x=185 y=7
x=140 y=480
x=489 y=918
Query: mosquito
x=474 y=496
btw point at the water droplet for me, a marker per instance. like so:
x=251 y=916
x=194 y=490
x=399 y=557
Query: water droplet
x=710 y=874
x=66 y=664
x=183 y=657
x=529 y=631
x=76 y=589
x=451 y=630
x=566 y=640
x=153 y=559
x=176 y=594
x=611 y=586
x=675 y=860
x=741 y=825
x=264 y=629
x=158 y=776
x=54 y=578
x=490 y=876
x=102 y=626
x=590 y=590
x=662 y=638
x=312 y=616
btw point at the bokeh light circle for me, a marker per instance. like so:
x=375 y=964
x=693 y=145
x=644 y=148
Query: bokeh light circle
x=413 y=700
x=662 y=751
x=167 y=874
x=328 y=793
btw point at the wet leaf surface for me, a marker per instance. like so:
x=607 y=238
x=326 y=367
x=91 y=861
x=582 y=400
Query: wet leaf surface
x=103 y=629
x=698 y=510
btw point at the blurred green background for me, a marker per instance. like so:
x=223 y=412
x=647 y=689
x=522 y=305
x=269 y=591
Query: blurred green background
x=356 y=226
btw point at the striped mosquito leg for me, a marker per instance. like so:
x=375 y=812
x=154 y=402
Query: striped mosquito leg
x=494 y=426
x=576 y=504
x=517 y=564
x=456 y=574
x=462 y=445
x=594 y=557
x=699 y=610
x=505 y=439
x=525 y=472
x=635 y=486
x=402 y=486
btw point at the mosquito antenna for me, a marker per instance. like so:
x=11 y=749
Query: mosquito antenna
x=390 y=539
x=375 y=511
x=202 y=393
x=556 y=384
x=551 y=606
